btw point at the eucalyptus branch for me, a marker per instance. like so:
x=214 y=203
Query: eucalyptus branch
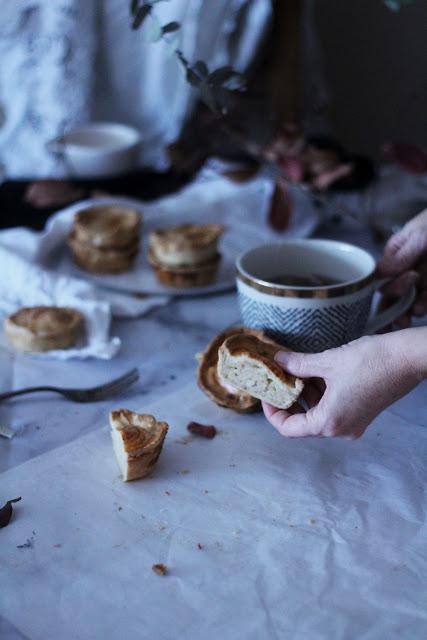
x=212 y=85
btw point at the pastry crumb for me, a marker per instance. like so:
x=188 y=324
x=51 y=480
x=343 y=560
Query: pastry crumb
x=161 y=569
x=199 y=546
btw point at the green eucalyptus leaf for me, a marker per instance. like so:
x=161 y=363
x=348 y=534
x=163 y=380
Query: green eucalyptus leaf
x=141 y=15
x=134 y=5
x=396 y=5
x=207 y=95
x=236 y=82
x=170 y=27
x=221 y=75
x=192 y=77
x=201 y=69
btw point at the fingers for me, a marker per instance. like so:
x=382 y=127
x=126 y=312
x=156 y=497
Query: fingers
x=402 y=251
x=400 y=286
x=291 y=426
x=305 y=365
x=420 y=307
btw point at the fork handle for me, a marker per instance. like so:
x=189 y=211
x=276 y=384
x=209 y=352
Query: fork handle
x=21 y=392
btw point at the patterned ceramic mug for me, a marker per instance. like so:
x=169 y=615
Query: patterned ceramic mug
x=318 y=316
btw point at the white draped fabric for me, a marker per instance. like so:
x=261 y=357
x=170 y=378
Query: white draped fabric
x=69 y=61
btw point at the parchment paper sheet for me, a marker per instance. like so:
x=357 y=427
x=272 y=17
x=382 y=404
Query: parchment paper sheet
x=308 y=538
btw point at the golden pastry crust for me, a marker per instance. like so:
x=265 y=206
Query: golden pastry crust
x=248 y=364
x=97 y=260
x=107 y=226
x=185 y=277
x=138 y=440
x=42 y=328
x=209 y=382
x=185 y=245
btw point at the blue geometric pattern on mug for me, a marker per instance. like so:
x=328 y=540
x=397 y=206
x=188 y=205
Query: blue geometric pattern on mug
x=308 y=330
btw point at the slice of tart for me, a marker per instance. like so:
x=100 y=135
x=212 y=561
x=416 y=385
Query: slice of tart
x=209 y=382
x=248 y=364
x=137 y=441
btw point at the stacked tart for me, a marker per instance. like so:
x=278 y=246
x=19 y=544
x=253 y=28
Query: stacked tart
x=187 y=255
x=43 y=328
x=105 y=239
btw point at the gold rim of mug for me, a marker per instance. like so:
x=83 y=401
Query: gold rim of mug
x=334 y=291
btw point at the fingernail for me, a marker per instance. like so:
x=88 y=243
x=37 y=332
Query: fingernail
x=282 y=357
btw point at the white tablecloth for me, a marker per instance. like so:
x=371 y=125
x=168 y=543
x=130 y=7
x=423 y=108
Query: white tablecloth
x=313 y=539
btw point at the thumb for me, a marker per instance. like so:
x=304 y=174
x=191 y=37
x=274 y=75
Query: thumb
x=306 y=365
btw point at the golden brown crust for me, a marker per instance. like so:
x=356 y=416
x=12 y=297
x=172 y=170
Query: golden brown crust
x=194 y=236
x=107 y=226
x=43 y=328
x=261 y=351
x=185 y=277
x=142 y=438
x=207 y=374
x=97 y=260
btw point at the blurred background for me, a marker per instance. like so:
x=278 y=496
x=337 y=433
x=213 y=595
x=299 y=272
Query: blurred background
x=375 y=62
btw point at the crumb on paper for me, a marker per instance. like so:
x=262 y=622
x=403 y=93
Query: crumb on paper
x=199 y=546
x=29 y=544
x=167 y=493
x=119 y=508
x=312 y=520
x=204 y=430
x=184 y=472
x=57 y=546
x=161 y=569
x=205 y=491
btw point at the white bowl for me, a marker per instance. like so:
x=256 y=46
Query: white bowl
x=98 y=149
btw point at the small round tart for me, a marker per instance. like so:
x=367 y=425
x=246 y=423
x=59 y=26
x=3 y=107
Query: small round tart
x=211 y=385
x=185 y=277
x=102 y=260
x=43 y=328
x=107 y=226
x=185 y=245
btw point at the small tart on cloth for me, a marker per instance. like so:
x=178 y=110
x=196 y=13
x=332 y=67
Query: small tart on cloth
x=107 y=226
x=209 y=381
x=43 y=328
x=137 y=441
x=199 y=275
x=185 y=245
x=247 y=363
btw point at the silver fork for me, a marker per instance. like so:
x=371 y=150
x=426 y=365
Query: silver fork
x=83 y=395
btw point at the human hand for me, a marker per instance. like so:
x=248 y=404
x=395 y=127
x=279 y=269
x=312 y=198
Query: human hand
x=349 y=386
x=405 y=258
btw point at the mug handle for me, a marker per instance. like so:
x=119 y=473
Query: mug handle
x=387 y=316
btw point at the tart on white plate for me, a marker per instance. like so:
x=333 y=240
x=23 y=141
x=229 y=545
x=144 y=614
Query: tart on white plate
x=186 y=255
x=43 y=328
x=105 y=239
x=137 y=441
x=107 y=226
